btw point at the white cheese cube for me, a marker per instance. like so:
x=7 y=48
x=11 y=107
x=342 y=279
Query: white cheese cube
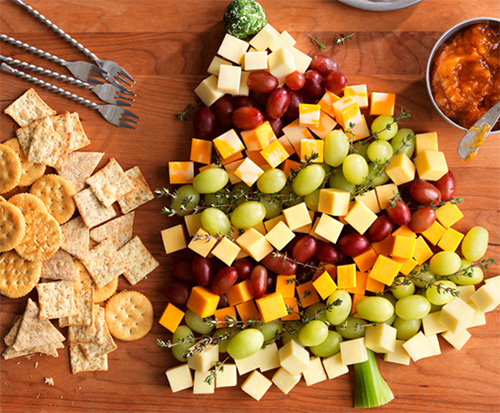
x=315 y=373
x=465 y=292
x=302 y=60
x=281 y=63
x=294 y=358
x=284 y=380
x=431 y=323
x=264 y=38
x=479 y=319
x=493 y=280
x=232 y=49
x=418 y=347
x=457 y=340
x=487 y=297
x=456 y=315
x=399 y=355
x=434 y=342
x=268 y=357
x=283 y=40
x=381 y=338
x=201 y=386
x=229 y=79
x=207 y=91
x=227 y=376
x=244 y=90
x=255 y=61
x=179 y=377
x=205 y=359
x=213 y=67
x=334 y=367
x=247 y=364
x=256 y=385
x=353 y=351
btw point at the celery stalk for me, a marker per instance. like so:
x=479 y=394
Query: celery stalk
x=371 y=390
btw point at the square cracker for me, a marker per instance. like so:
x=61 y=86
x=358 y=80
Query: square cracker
x=28 y=107
x=25 y=135
x=80 y=363
x=139 y=195
x=91 y=210
x=48 y=146
x=119 y=230
x=78 y=137
x=59 y=267
x=79 y=166
x=104 y=263
x=110 y=183
x=84 y=301
x=56 y=299
x=138 y=259
x=93 y=333
x=75 y=238
x=95 y=350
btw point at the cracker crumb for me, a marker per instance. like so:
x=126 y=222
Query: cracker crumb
x=36 y=364
x=49 y=381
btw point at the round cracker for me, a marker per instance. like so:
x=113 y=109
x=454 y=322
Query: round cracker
x=42 y=238
x=10 y=169
x=85 y=281
x=17 y=275
x=27 y=202
x=56 y=193
x=30 y=171
x=12 y=226
x=129 y=315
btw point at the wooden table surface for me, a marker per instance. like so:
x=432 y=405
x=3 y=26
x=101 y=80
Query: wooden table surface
x=167 y=45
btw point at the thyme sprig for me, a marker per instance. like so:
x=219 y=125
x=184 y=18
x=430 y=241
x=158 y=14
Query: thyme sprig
x=308 y=160
x=340 y=40
x=218 y=367
x=314 y=41
x=186 y=113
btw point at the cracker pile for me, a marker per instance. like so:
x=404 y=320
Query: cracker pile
x=70 y=237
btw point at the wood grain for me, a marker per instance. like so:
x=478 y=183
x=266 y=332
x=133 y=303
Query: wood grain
x=167 y=45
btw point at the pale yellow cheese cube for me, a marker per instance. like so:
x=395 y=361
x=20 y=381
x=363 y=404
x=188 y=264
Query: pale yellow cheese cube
x=302 y=60
x=486 y=298
x=226 y=251
x=294 y=358
x=227 y=376
x=426 y=142
x=353 y=351
x=229 y=79
x=228 y=144
x=271 y=223
x=244 y=90
x=479 y=318
x=207 y=91
x=248 y=171
x=434 y=342
x=380 y=338
x=418 y=347
x=264 y=37
x=315 y=373
x=260 y=227
x=385 y=193
x=179 y=377
x=328 y=228
x=369 y=198
x=204 y=360
x=306 y=229
x=399 y=355
x=214 y=66
x=360 y=217
x=313 y=233
x=457 y=340
x=283 y=40
x=255 y=60
x=431 y=324
x=280 y=235
x=200 y=385
x=456 y=315
x=400 y=169
x=281 y=63
x=334 y=201
x=325 y=126
x=465 y=292
x=247 y=364
x=232 y=49
x=284 y=380
x=201 y=243
x=193 y=223
x=297 y=216
x=493 y=280
x=268 y=357
x=256 y=385
x=431 y=165
x=173 y=239
x=254 y=244
x=295 y=133
x=334 y=367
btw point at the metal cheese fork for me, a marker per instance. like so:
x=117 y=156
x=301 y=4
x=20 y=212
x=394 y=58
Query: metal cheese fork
x=116 y=115
x=115 y=72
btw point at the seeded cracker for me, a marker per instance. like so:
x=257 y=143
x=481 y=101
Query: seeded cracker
x=104 y=263
x=110 y=183
x=78 y=138
x=75 y=238
x=91 y=209
x=119 y=230
x=59 y=267
x=93 y=333
x=25 y=134
x=139 y=260
x=84 y=301
x=95 y=350
x=129 y=315
x=79 y=363
x=86 y=281
x=28 y=107
x=12 y=226
x=57 y=195
x=139 y=195
x=17 y=275
x=56 y=299
x=10 y=169
x=27 y=202
x=48 y=146
x=79 y=166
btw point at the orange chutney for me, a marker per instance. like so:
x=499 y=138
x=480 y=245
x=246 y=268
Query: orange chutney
x=466 y=74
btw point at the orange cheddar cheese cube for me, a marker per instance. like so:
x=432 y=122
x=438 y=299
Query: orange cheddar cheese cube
x=325 y=126
x=360 y=217
x=408 y=265
x=449 y=214
x=382 y=103
x=280 y=235
x=308 y=147
x=365 y=260
x=404 y=231
x=258 y=159
x=228 y=144
x=173 y=239
x=450 y=240
x=247 y=310
x=297 y=216
x=201 y=151
x=286 y=145
x=248 y=171
x=288 y=166
x=309 y=114
x=226 y=251
x=209 y=166
x=426 y=142
x=254 y=244
x=193 y=223
x=237 y=156
x=326 y=103
x=385 y=269
x=292 y=308
x=334 y=201
x=356 y=298
x=271 y=307
x=346 y=276
x=171 y=317
x=201 y=243
x=258 y=138
x=361 y=279
x=324 y=285
x=202 y=301
x=274 y=154
x=403 y=247
x=359 y=93
x=374 y=286
x=434 y=233
x=400 y=169
x=223 y=314
x=181 y=172
x=239 y=293
x=431 y=165
x=306 y=294
x=230 y=168
x=383 y=247
x=285 y=285
x=422 y=251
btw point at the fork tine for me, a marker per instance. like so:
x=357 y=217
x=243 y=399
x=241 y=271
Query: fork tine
x=122 y=79
x=128 y=113
x=99 y=70
x=124 y=98
x=124 y=119
x=127 y=92
x=124 y=73
x=125 y=125
x=121 y=103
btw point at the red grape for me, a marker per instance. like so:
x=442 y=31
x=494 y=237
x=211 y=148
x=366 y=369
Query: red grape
x=398 y=212
x=353 y=244
x=258 y=281
x=262 y=82
x=335 y=82
x=224 y=280
x=279 y=264
x=244 y=268
x=446 y=184
x=224 y=109
x=203 y=271
x=424 y=192
x=277 y=103
x=326 y=252
x=422 y=219
x=182 y=270
x=315 y=85
x=247 y=117
x=276 y=125
x=295 y=80
x=178 y=291
x=304 y=249
x=380 y=229
x=324 y=64
x=245 y=101
x=204 y=123
x=293 y=108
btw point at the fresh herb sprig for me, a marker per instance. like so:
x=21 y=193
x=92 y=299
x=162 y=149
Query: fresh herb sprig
x=340 y=40
x=314 y=41
x=186 y=113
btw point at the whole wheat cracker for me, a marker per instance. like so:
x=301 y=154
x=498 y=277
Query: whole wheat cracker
x=28 y=107
x=59 y=267
x=75 y=237
x=48 y=146
x=139 y=195
x=92 y=211
x=119 y=230
x=94 y=350
x=93 y=333
x=104 y=263
x=84 y=301
x=85 y=281
x=78 y=138
x=56 y=299
x=79 y=166
x=139 y=260
x=25 y=134
x=80 y=363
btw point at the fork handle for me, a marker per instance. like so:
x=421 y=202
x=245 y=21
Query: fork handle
x=60 y=91
x=55 y=28
x=31 y=49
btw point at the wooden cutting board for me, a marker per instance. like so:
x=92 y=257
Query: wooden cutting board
x=167 y=45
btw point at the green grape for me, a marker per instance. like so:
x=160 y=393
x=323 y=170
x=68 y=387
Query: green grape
x=217 y=200
x=403 y=135
x=355 y=169
x=338 y=181
x=376 y=309
x=361 y=147
x=198 y=324
x=390 y=320
x=338 y=313
x=224 y=342
x=245 y=343
x=424 y=278
x=271 y=329
x=318 y=311
x=215 y=221
x=445 y=263
x=439 y=293
x=329 y=347
x=412 y=307
x=312 y=200
x=475 y=243
x=379 y=151
x=240 y=189
x=293 y=199
x=308 y=179
x=313 y=333
x=336 y=148
x=406 y=329
x=402 y=290
x=384 y=127
x=248 y=214
x=273 y=207
x=210 y=180
x=271 y=181
x=352 y=327
x=390 y=297
x=187 y=198
x=468 y=275
x=180 y=334
x=378 y=177
x=287 y=337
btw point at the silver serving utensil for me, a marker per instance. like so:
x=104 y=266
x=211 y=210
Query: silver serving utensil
x=116 y=115
x=114 y=71
x=475 y=136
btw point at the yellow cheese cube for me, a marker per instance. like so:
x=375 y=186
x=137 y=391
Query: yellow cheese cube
x=383 y=247
x=284 y=380
x=385 y=193
x=450 y=240
x=256 y=385
x=297 y=216
x=295 y=133
x=309 y=114
x=271 y=223
x=274 y=154
x=449 y=214
x=324 y=285
x=403 y=247
x=181 y=172
x=223 y=314
x=382 y=103
x=431 y=324
x=173 y=239
x=244 y=90
x=280 y=235
x=434 y=233
x=369 y=198
x=346 y=276
x=426 y=142
x=313 y=231
x=226 y=251
x=422 y=251
x=456 y=315
x=271 y=307
x=201 y=243
x=353 y=351
x=232 y=49
x=281 y=63
x=237 y=156
x=385 y=269
x=315 y=373
x=365 y=260
x=283 y=40
x=345 y=109
x=202 y=301
x=264 y=37
x=334 y=201
x=465 y=292
x=457 y=340
x=179 y=377
x=399 y=355
x=294 y=358
x=288 y=166
x=360 y=288
x=230 y=168
x=302 y=60
x=404 y=231
x=292 y=308
x=247 y=364
x=201 y=151
x=408 y=266
x=258 y=159
x=248 y=171
x=261 y=228
x=254 y=244
x=214 y=66
x=431 y=165
x=248 y=311
x=307 y=294
x=328 y=228
x=400 y=169
x=326 y=103
x=229 y=79
x=285 y=285
x=258 y=138
x=207 y=91
x=487 y=297
x=434 y=342
x=255 y=60
x=360 y=217
x=227 y=377
x=193 y=223
x=356 y=128
x=308 y=147
x=381 y=338
x=268 y=357
x=334 y=367
x=228 y=144
x=418 y=347
x=287 y=146
x=359 y=93
x=374 y=286
x=204 y=360
x=171 y=317
x=325 y=126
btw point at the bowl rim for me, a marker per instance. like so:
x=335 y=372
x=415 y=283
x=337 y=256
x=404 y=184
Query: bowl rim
x=442 y=39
